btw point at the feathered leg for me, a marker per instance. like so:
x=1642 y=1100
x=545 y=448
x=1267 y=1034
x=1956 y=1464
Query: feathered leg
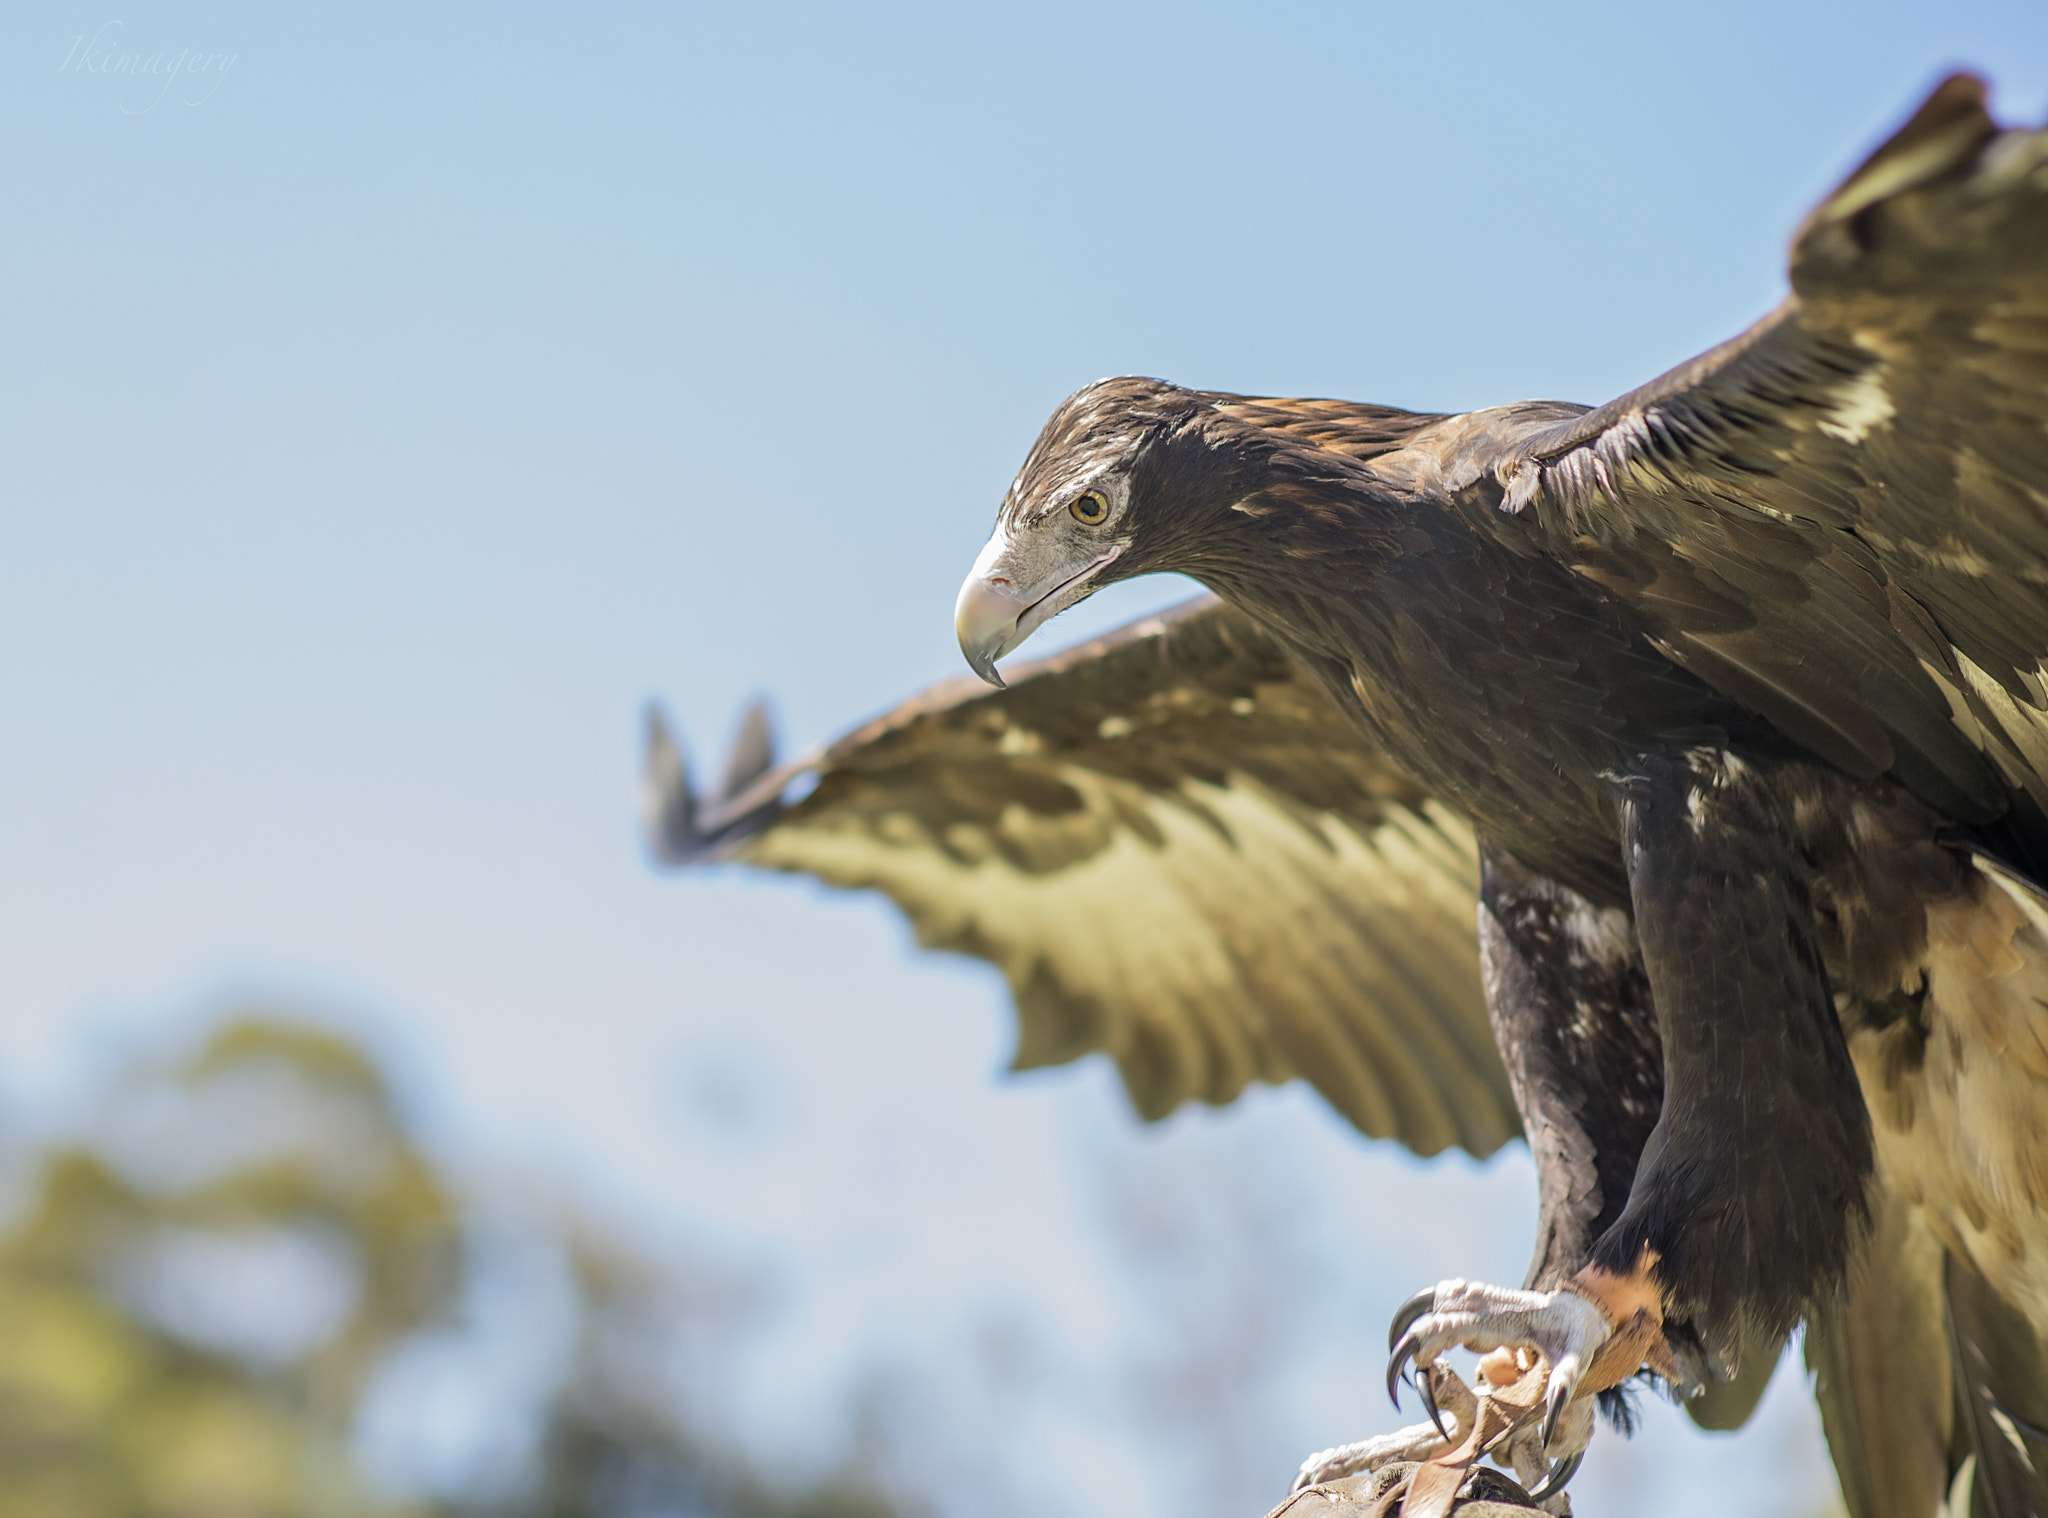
x=1746 y=1192
x=1754 y=1181
x=1570 y=1005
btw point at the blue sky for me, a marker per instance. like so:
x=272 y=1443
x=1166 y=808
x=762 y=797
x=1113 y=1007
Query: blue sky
x=387 y=416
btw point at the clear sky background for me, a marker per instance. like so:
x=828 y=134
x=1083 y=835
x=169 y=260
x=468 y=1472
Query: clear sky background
x=385 y=418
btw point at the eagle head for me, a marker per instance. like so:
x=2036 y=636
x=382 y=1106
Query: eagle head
x=1071 y=522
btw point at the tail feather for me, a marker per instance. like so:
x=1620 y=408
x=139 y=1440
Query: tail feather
x=2001 y=1370
x=1882 y=1376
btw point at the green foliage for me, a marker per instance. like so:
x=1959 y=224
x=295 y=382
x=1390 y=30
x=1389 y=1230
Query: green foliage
x=196 y=1304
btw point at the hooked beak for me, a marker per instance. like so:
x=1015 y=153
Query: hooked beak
x=995 y=613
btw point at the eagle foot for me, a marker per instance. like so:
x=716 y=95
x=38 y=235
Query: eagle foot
x=1557 y=1346
x=1515 y=1331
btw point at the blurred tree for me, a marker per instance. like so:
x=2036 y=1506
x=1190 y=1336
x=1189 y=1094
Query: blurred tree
x=198 y=1304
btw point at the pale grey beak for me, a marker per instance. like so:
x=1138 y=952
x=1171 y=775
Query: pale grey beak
x=987 y=613
x=996 y=612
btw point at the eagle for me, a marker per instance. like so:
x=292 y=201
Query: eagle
x=1720 y=711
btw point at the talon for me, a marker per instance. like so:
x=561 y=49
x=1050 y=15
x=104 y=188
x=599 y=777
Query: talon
x=1397 y=1364
x=1422 y=1302
x=1553 y=1406
x=1554 y=1398
x=1425 y=1389
x=1557 y=1477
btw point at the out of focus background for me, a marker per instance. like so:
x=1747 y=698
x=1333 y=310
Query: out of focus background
x=392 y=400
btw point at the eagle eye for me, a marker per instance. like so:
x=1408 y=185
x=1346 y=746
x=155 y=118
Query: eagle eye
x=1090 y=508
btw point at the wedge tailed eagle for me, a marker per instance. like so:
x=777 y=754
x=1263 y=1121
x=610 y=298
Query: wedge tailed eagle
x=1720 y=709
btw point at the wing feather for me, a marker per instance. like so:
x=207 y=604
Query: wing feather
x=1178 y=851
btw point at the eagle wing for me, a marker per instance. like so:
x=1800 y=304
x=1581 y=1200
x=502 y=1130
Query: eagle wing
x=1840 y=517
x=1177 y=850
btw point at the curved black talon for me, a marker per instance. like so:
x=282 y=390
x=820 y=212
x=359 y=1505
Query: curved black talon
x=1553 y=1408
x=1557 y=1477
x=1397 y=1363
x=1422 y=1302
x=1425 y=1388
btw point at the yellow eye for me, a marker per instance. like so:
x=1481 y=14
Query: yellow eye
x=1091 y=508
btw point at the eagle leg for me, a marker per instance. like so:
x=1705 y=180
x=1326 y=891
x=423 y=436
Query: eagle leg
x=1571 y=1011
x=1752 y=1185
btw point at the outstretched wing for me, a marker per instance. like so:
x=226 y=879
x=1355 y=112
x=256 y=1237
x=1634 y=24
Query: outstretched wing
x=1177 y=850
x=1841 y=516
